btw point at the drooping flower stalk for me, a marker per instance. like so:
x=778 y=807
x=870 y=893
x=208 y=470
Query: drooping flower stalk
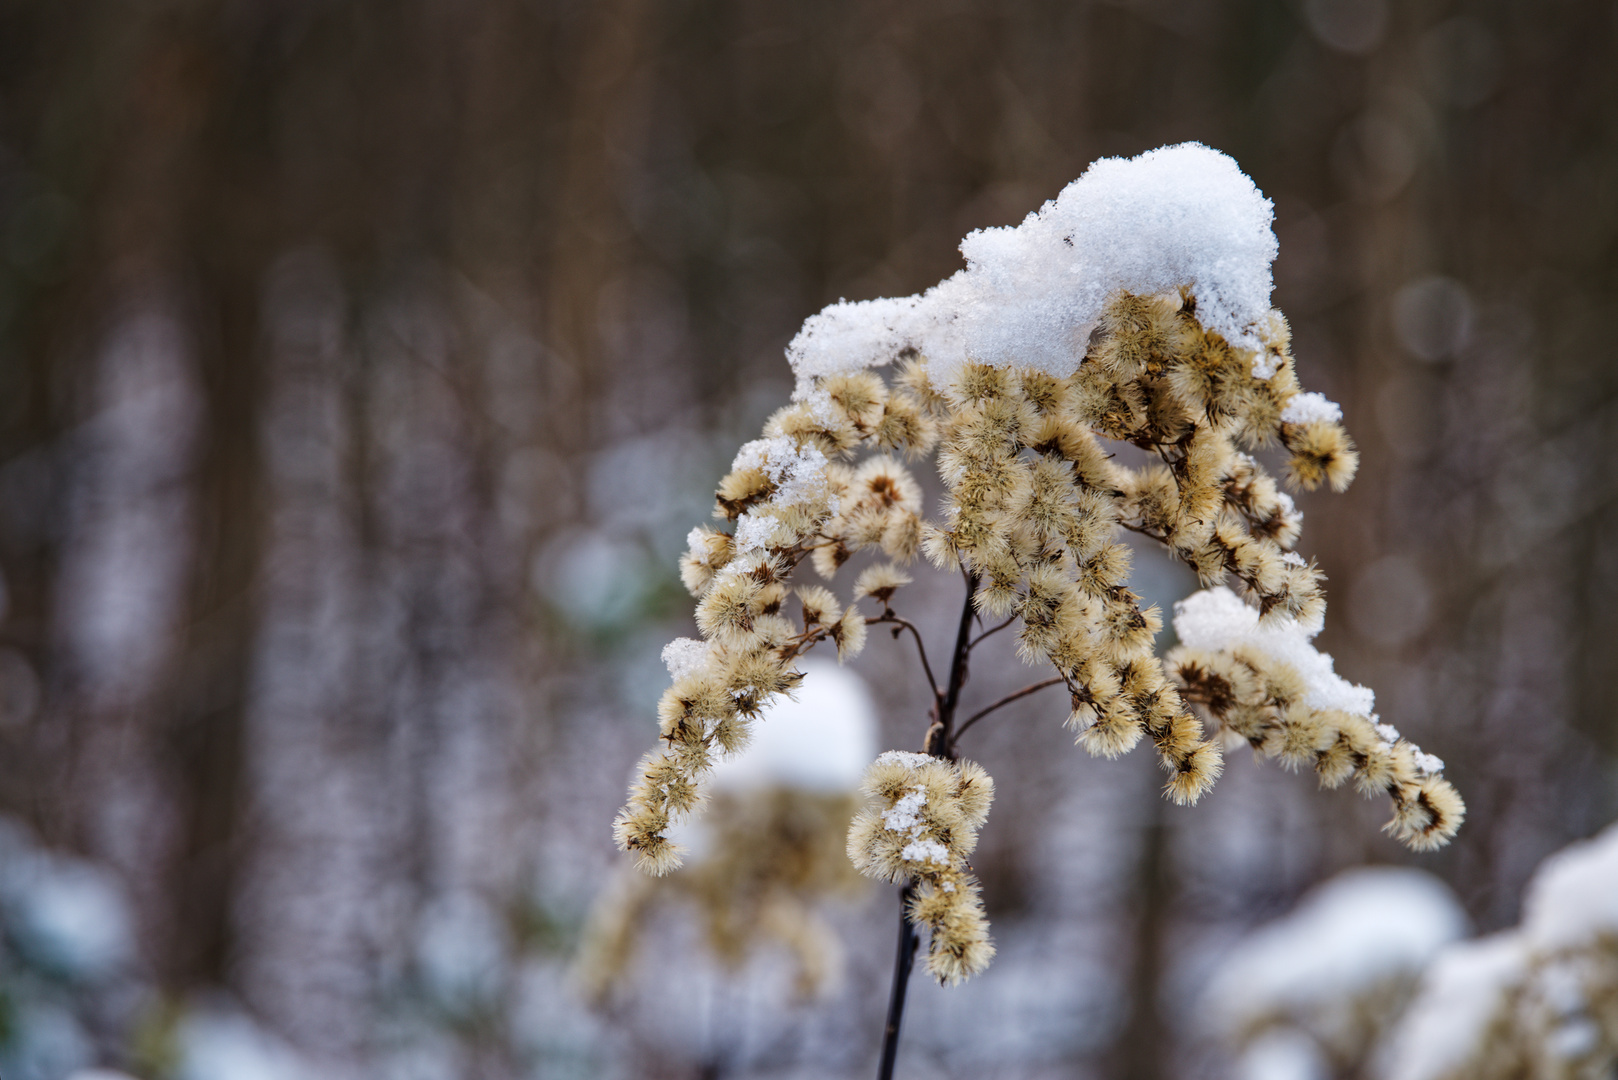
x=1010 y=384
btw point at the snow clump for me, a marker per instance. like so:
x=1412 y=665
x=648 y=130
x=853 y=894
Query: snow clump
x=1179 y=216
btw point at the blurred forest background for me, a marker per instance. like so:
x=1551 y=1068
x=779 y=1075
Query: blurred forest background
x=363 y=364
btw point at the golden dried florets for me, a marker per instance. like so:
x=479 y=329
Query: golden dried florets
x=923 y=827
x=1032 y=508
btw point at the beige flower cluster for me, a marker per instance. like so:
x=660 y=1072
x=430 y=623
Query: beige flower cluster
x=1035 y=502
x=1262 y=699
x=787 y=501
x=926 y=830
x=1031 y=515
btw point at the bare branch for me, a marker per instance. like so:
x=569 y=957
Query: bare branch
x=1007 y=700
x=905 y=624
x=991 y=630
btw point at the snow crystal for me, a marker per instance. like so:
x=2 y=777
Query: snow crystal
x=1218 y=619
x=757 y=454
x=909 y=759
x=1460 y=994
x=905 y=814
x=685 y=656
x=1574 y=895
x=1387 y=733
x=1030 y=295
x=1309 y=408
x=696 y=542
x=799 y=476
x=1428 y=764
x=1344 y=939
x=754 y=531
x=925 y=851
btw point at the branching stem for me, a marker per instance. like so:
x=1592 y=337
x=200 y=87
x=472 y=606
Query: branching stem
x=905 y=624
x=991 y=630
x=958 y=673
x=903 y=961
x=940 y=743
x=1007 y=700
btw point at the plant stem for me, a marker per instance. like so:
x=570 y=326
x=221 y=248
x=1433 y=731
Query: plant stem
x=945 y=747
x=992 y=630
x=903 y=961
x=1007 y=700
x=905 y=624
x=940 y=743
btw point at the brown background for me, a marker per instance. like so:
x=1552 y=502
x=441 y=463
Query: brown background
x=362 y=365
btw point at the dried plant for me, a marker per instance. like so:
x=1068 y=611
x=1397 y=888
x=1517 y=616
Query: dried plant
x=1537 y=1001
x=1134 y=309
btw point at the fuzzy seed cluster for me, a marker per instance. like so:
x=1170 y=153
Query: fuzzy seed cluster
x=1035 y=504
x=923 y=828
x=1032 y=511
x=793 y=495
x=1263 y=700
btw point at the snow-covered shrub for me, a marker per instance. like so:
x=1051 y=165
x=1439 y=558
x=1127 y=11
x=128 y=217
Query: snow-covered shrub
x=1309 y=995
x=772 y=848
x=1539 y=1001
x=1134 y=307
x=67 y=948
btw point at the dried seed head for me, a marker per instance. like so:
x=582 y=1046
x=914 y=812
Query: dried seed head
x=880 y=582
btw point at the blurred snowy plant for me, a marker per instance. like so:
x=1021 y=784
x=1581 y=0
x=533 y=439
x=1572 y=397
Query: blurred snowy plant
x=1537 y=1002
x=67 y=958
x=1318 y=987
x=1134 y=307
x=773 y=848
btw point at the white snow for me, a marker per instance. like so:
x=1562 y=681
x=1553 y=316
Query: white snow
x=1218 y=619
x=71 y=914
x=1428 y=764
x=1177 y=216
x=754 y=531
x=219 y=1041
x=1310 y=407
x=925 y=851
x=799 y=476
x=1571 y=904
x=905 y=814
x=1344 y=939
x=685 y=656
x=696 y=542
x=1282 y=1055
x=787 y=464
x=820 y=741
x=908 y=758
x=1460 y=994
x=1573 y=896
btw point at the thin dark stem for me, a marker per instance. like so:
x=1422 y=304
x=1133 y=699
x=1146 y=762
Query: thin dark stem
x=1007 y=700
x=905 y=624
x=903 y=961
x=957 y=675
x=940 y=743
x=991 y=630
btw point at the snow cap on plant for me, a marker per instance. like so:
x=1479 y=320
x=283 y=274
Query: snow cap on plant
x=1133 y=308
